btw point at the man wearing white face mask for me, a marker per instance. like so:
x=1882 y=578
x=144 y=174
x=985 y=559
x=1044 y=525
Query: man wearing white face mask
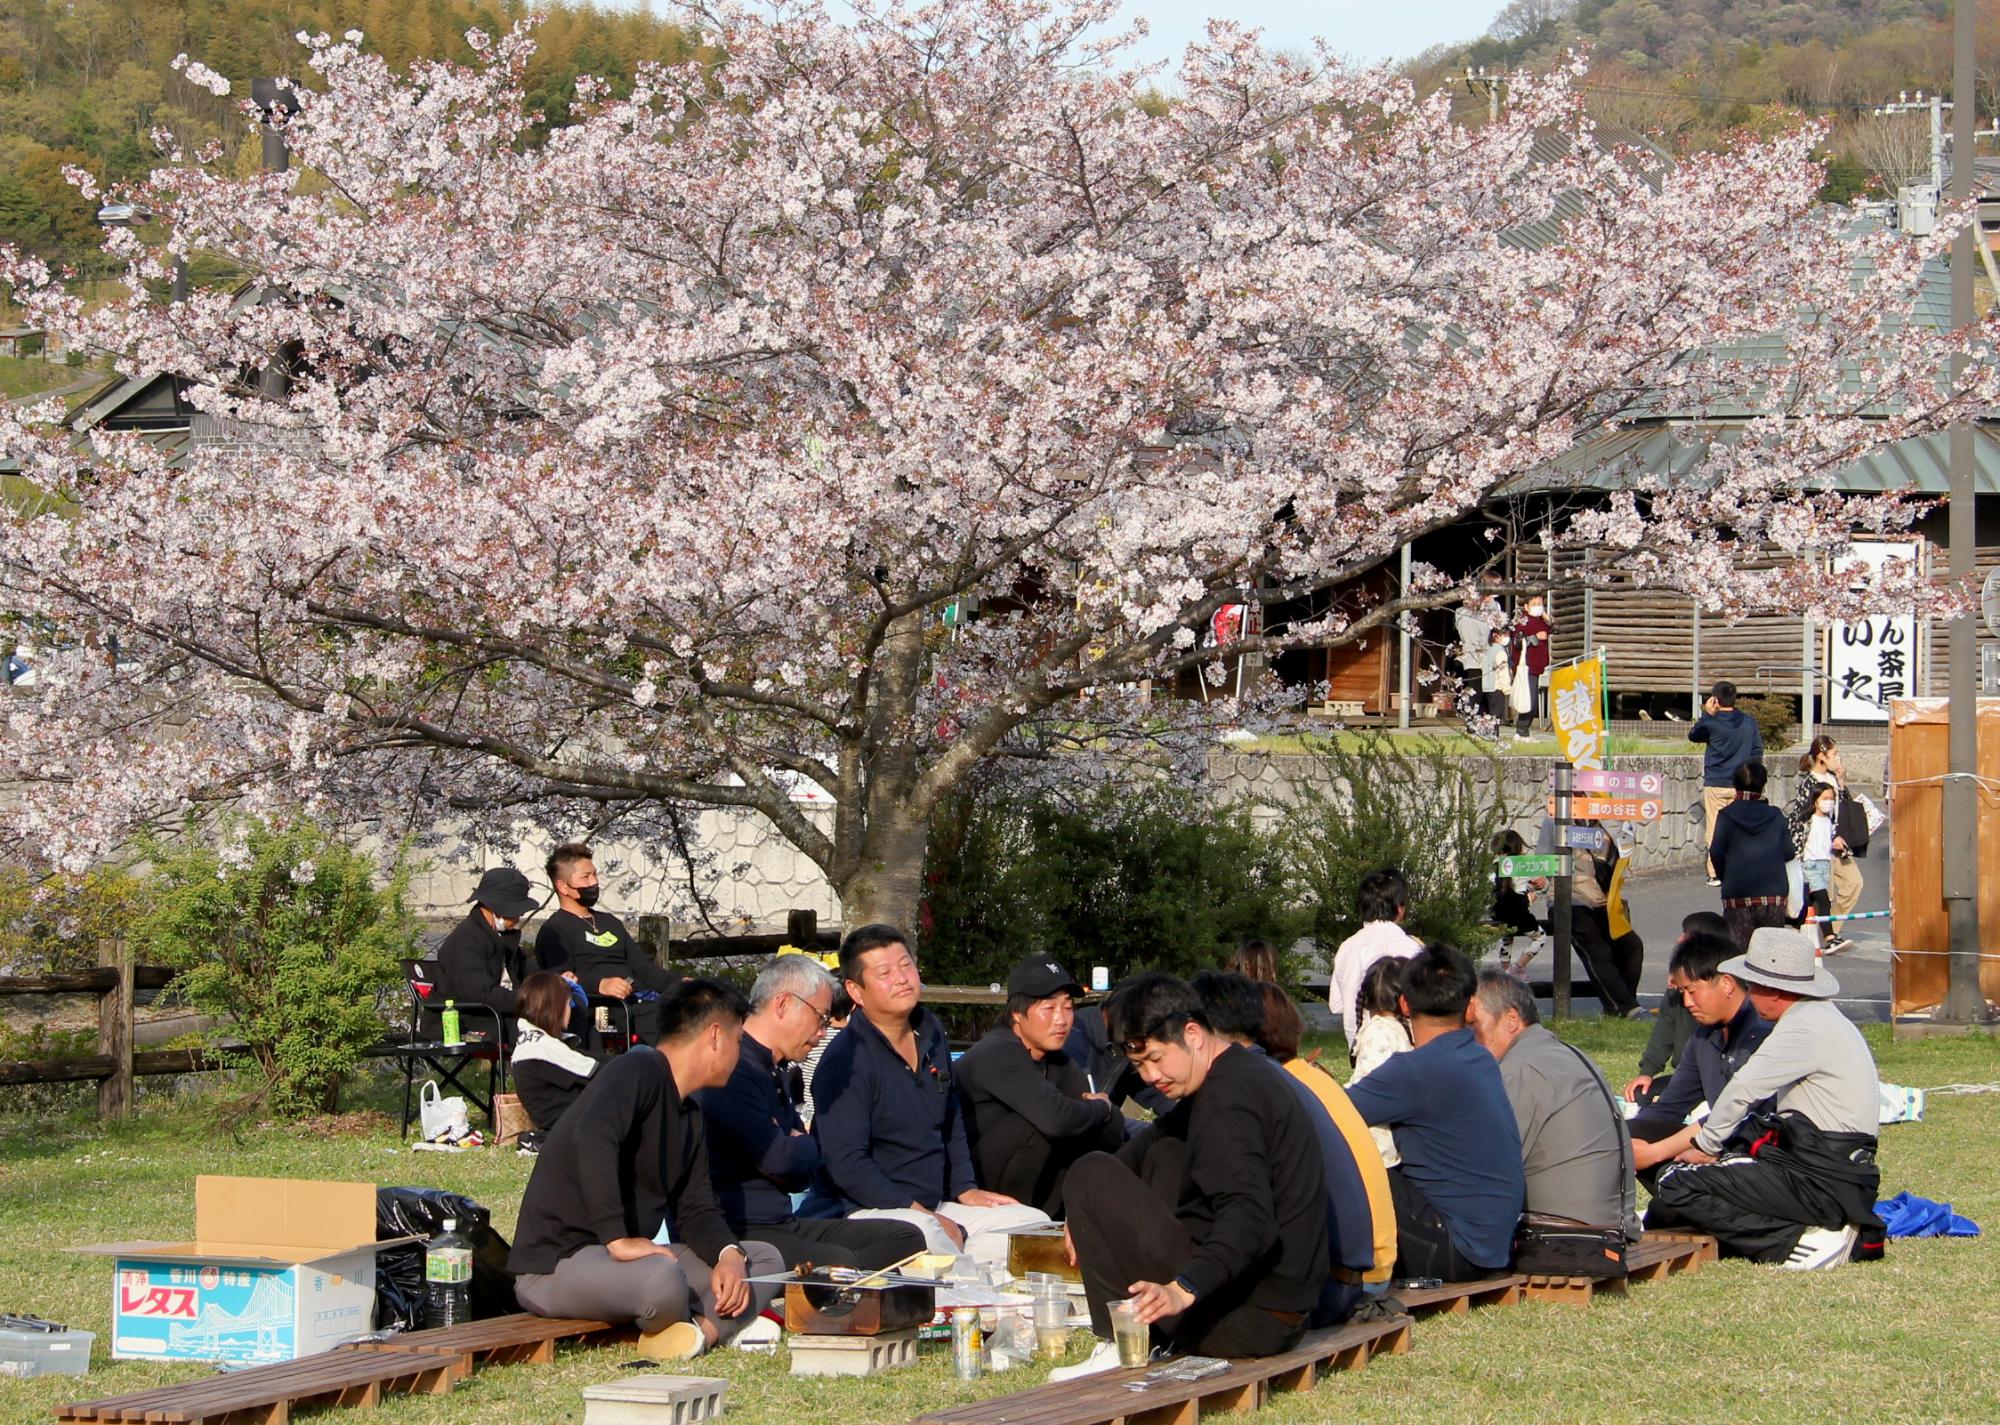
x=1532 y=631
x=480 y=961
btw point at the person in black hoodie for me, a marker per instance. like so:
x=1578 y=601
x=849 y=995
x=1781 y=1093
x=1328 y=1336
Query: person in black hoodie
x=479 y=962
x=1751 y=845
x=1233 y=1261
x=1733 y=739
x=630 y=1158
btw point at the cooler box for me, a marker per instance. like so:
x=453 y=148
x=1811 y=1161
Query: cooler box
x=279 y=1269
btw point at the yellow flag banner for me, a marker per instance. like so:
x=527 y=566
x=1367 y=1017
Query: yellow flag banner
x=1614 y=901
x=1576 y=694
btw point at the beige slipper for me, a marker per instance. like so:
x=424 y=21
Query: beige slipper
x=679 y=1342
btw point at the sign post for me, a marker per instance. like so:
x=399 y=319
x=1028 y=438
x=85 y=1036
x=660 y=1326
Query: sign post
x=1522 y=868
x=1559 y=906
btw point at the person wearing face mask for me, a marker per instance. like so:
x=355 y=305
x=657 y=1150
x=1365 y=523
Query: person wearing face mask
x=1531 y=641
x=480 y=961
x=594 y=947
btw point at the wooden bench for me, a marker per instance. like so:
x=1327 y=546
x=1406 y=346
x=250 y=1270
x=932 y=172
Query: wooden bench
x=1457 y=1298
x=265 y=1395
x=1653 y=1257
x=498 y=1340
x=1105 y=1399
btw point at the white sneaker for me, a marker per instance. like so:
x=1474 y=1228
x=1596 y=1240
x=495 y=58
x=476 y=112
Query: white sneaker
x=763 y=1334
x=1821 y=1247
x=1104 y=1358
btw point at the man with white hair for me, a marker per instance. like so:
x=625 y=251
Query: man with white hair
x=759 y=1150
x=1804 y=1196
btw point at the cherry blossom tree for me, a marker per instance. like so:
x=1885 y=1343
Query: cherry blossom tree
x=852 y=405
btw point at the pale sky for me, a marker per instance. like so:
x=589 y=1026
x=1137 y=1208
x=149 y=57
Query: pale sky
x=1365 y=30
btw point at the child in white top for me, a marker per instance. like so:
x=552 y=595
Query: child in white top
x=1818 y=858
x=1384 y=1033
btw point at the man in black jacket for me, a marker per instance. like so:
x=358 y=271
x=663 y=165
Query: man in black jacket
x=1030 y=1112
x=759 y=1150
x=1232 y=1264
x=630 y=1159
x=1733 y=739
x=480 y=961
x=594 y=947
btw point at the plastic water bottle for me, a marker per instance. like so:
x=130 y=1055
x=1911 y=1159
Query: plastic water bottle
x=448 y=1023
x=448 y=1277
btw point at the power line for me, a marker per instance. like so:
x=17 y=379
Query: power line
x=1710 y=97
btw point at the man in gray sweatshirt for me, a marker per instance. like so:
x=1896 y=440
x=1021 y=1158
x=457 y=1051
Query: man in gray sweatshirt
x=1805 y=1193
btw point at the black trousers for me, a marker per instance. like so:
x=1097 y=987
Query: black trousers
x=1125 y=1232
x=1746 y=920
x=1423 y=1240
x=1752 y=1208
x=836 y=1242
x=1614 y=970
x=1026 y=1166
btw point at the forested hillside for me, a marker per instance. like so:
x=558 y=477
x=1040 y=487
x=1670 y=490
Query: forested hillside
x=86 y=82
x=1692 y=70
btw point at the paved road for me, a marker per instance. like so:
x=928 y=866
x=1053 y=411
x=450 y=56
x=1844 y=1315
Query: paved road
x=1658 y=902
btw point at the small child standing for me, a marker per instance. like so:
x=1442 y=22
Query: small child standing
x=1818 y=860
x=1383 y=1034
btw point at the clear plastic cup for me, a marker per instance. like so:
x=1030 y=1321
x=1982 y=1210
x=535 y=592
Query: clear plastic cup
x=1134 y=1337
x=1051 y=1318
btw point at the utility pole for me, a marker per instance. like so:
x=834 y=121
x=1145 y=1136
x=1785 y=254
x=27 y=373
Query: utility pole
x=1964 y=1002
x=1491 y=81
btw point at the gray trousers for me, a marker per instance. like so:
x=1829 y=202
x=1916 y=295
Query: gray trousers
x=652 y=1293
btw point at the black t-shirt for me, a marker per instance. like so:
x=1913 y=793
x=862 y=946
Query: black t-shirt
x=597 y=949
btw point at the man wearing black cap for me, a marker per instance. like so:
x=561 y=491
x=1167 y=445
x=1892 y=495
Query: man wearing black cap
x=1030 y=1111
x=480 y=961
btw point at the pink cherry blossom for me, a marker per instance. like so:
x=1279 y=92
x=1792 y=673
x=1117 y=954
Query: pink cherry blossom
x=634 y=471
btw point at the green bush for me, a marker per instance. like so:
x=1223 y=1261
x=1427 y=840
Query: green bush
x=1777 y=719
x=284 y=937
x=1360 y=805
x=1133 y=879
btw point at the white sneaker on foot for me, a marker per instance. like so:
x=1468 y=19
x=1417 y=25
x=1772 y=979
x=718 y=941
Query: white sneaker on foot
x=1104 y=1358
x=1821 y=1247
x=763 y=1334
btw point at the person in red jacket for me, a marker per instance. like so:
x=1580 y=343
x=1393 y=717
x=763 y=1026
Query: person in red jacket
x=1531 y=641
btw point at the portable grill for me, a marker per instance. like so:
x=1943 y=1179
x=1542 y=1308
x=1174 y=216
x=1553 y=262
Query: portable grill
x=846 y=1301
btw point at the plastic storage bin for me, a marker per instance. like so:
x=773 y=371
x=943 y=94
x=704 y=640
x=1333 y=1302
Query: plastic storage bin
x=24 y=1354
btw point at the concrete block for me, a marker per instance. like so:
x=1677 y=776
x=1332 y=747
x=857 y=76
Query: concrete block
x=654 y=1400
x=850 y=1355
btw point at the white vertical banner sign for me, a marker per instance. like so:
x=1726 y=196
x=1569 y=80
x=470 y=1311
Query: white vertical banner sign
x=1873 y=659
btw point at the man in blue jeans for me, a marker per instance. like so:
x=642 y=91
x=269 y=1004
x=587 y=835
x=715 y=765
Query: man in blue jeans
x=1461 y=1185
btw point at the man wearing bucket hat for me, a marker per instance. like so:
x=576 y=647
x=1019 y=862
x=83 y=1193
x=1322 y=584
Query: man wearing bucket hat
x=1805 y=1194
x=480 y=961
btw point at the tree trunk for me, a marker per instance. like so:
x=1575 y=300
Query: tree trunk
x=888 y=886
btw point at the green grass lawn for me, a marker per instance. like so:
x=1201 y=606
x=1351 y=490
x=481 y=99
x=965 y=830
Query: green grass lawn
x=28 y=376
x=1915 y=1338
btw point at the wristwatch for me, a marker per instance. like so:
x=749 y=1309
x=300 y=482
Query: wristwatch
x=1187 y=1286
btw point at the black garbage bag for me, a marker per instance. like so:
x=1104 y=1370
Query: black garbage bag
x=399 y=1271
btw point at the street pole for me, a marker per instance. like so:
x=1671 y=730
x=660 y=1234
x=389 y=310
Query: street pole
x=1963 y=1002
x=1808 y=678
x=1559 y=907
x=1403 y=639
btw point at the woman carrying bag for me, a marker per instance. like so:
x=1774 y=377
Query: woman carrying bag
x=1822 y=767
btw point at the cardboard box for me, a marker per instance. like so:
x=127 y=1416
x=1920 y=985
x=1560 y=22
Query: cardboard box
x=279 y=1269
